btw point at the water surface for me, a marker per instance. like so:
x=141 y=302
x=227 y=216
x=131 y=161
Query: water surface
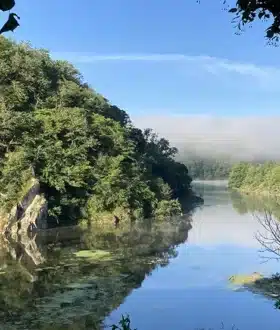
x=170 y=274
x=193 y=291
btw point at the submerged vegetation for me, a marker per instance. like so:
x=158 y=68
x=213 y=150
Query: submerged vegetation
x=89 y=159
x=243 y=279
x=256 y=178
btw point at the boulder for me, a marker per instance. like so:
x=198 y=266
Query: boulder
x=32 y=207
x=36 y=212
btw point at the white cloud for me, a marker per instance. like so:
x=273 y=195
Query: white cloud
x=239 y=137
x=212 y=65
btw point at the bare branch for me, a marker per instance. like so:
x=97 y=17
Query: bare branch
x=271 y=240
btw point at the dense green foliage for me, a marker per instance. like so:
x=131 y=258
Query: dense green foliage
x=256 y=177
x=208 y=169
x=85 y=152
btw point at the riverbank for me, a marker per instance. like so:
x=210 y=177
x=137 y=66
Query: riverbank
x=256 y=179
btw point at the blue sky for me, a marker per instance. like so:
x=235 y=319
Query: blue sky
x=174 y=65
x=173 y=56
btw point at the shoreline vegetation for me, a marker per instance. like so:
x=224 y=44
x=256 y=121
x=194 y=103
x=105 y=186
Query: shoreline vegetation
x=256 y=179
x=90 y=161
x=260 y=182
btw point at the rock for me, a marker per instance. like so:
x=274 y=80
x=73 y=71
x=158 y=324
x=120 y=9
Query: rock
x=33 y=207
x=36 y=213
x=32 y=192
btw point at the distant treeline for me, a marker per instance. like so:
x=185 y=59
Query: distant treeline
x=258 y=178
x=208 y=169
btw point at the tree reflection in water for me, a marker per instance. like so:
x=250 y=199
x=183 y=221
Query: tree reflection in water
x=267 y=212
x=44 y=285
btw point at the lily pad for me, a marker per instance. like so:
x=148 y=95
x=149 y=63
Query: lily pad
x=94 y=255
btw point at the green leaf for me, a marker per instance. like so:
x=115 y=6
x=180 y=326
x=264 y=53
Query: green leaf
x=269 y=33
x=6 y=4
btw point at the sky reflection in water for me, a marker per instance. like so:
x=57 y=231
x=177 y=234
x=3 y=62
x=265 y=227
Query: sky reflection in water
x=193 y=291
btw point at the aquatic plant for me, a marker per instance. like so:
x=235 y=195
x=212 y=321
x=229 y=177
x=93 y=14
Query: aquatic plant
x=124 y=324
x=243 y=279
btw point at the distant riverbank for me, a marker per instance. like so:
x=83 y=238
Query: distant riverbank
x=256 y=179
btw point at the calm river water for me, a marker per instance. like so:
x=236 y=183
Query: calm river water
x=164 y=274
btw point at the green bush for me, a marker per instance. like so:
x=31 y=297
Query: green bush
x=256 y=177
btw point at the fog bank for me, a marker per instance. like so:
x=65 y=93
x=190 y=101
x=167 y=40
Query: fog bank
x=241 y=138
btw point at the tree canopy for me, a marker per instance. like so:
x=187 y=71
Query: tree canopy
x=256 y=177
x=85 y=152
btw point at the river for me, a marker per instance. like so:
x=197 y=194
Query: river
x=166 y=275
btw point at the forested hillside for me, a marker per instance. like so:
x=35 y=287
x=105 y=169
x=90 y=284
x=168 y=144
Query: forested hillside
x=208 y=169
x=261 y=178
x=86 y=154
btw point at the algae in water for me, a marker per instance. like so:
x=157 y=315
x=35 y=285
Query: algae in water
x=245 y=279
x=95 y=255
